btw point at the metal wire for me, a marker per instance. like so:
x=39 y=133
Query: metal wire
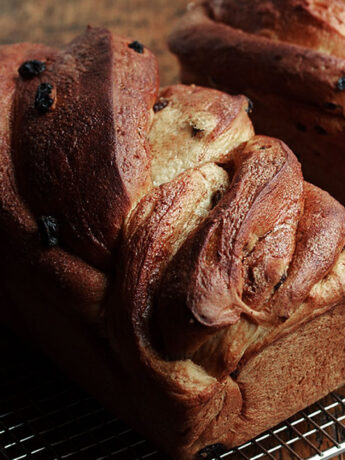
x=43 y=416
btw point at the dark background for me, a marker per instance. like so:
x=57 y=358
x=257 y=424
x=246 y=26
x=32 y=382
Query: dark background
x=56 y=22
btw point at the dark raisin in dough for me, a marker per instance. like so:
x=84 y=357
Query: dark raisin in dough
x=49 y=231
x=43 y=99
x=137 y=46
x=30 y=69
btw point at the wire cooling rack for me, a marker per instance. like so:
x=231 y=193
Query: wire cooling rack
x=44 y=416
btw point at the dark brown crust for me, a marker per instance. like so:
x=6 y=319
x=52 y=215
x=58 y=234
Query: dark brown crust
x=214 y=49
x=60 y=278
x=315 y=134
x=316 y=25
x=101 y=326
x=293 y=81
x=85 y=162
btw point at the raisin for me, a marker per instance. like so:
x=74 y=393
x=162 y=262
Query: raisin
x=137 y=46
x=250 y=106
x=211 y=451
x=281 y=281
x=160 y=105
x=341 y=84
x=196 y=131
x=48 y=231
x=43 y=99
x=234 y=374
x=283 y=319
x=30 y=69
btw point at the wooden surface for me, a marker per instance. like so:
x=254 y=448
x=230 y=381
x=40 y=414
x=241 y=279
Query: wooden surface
x=56 y=22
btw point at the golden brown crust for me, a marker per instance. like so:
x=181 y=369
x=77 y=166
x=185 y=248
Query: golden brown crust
x=230 y=219
x=320 y=239
x=286 y=375
x=239 y=253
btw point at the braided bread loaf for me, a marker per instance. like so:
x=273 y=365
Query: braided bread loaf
x=288 y=57
x=170 y=260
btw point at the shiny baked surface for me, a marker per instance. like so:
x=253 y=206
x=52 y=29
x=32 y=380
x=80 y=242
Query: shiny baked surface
x=185 y=242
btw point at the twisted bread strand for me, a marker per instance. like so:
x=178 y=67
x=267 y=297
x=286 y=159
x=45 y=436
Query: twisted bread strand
x=185 y=241
x=101 y=111
x=81 y=164
x=206 y=282
x=200 y=273
x=288 y=57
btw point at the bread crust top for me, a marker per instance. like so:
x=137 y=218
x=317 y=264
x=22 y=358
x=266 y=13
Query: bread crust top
x=177 y=233
x=305 y=71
